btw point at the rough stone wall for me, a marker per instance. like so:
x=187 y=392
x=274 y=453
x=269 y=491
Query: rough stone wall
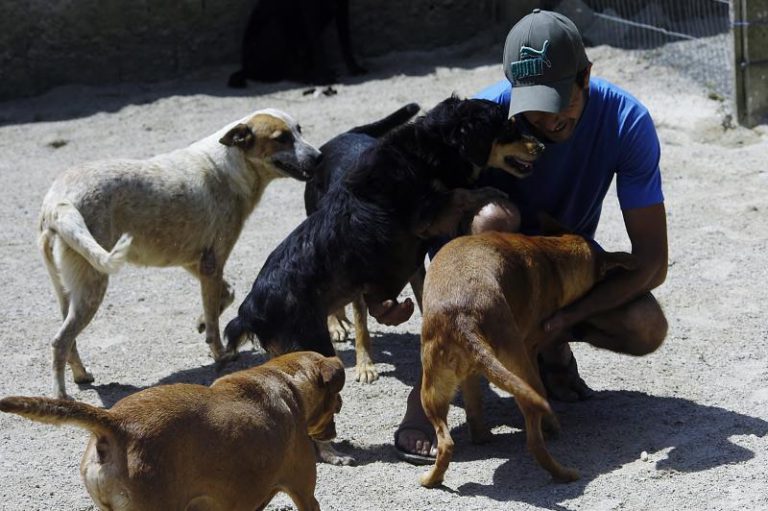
x=46 y=43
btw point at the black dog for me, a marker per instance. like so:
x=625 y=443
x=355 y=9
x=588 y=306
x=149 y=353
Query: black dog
x=283 y=41
x=369 y=233
x=340 y=154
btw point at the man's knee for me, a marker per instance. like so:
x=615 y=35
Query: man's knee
x=648 y=326
x=500 y=216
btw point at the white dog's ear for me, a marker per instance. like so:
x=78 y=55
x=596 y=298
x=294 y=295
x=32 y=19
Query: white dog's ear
x=240 y=136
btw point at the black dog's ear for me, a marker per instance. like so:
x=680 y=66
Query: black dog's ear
x=240 y=136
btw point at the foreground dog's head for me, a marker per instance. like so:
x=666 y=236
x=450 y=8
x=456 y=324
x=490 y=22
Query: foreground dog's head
x=319 y=379
x=273 y=137
x=483 y=135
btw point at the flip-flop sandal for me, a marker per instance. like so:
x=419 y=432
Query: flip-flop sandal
x=410 y=457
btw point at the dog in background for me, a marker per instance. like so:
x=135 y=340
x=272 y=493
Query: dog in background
x=184 y=208
x=231 y=446
x=370 y=231
x=485 y=299
x=284 y=41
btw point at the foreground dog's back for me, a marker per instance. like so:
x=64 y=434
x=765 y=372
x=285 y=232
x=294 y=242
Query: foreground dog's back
x=485 y=298
x=229 y=446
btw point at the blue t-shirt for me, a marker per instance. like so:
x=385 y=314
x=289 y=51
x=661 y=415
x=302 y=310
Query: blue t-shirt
x=615 y=135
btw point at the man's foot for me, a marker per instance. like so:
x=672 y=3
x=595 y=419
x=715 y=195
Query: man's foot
x=562 y=380
x=415 y=437
x=391 y=312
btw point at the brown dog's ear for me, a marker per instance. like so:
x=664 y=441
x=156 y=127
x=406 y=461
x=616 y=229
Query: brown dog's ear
x=240 y=136
x=613 y=260
x=550 y=226
x=332 y=373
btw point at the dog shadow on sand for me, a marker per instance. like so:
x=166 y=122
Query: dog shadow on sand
x=598 y=436
x=111 y=393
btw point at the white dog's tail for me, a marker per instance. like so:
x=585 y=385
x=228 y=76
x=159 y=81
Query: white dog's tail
x=62 y=411
x=70 y=225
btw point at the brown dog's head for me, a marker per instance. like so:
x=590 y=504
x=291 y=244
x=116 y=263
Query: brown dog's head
x=320 y=417
x=319 y=380
x=513 y=152
x=273 y=138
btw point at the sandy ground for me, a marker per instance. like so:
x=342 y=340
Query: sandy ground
x=698 y=407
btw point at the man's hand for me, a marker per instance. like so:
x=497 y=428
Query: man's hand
x=391 y=312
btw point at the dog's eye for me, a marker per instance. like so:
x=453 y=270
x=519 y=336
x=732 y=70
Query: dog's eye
x=298 y=128
x=285 y=137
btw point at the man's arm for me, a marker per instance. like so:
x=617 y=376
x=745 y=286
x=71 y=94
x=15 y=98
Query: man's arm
x=647 y=230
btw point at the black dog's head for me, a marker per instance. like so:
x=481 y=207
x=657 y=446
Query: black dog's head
x=483 y=135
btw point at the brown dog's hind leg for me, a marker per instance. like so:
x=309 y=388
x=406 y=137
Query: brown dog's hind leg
x=472 y=393
x=365 y=370
x=535 y=442
x=534 y=417
x=438 y=386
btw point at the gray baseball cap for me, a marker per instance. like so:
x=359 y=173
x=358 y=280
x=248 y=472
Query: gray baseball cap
x=542 y=56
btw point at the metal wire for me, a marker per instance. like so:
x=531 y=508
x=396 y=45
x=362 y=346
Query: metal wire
x=693 y=36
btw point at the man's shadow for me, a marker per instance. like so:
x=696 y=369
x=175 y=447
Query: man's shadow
x=598 y=436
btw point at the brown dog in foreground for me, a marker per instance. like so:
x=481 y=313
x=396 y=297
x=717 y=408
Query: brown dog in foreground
x=231 y=446
x=485 y=299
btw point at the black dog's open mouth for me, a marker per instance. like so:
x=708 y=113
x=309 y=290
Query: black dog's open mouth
x=525 y=167
x=293 y=170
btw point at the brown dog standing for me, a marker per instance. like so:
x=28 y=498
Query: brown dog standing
x=485 y=298
x=230 y=446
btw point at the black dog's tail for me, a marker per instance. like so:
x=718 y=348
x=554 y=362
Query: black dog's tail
x=383 y=126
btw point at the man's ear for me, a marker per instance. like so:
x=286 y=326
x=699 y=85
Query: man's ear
x=240 y=136
x=585 y=84
x=332 y=374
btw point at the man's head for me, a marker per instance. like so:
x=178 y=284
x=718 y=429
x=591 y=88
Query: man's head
x=545 y=61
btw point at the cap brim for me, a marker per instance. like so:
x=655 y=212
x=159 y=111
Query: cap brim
x=551 y=97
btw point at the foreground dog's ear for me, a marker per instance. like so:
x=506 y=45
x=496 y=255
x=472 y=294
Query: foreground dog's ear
x=612 y=260
x=550 y=226
x=240 y=136
x=332 y=374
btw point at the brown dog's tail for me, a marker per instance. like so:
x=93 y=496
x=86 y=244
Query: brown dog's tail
x=66 y=221
x=62 y=411
x=526 y=396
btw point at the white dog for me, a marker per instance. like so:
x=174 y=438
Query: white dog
x=184 y=208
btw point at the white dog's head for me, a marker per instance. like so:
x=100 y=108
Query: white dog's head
x=273 y=137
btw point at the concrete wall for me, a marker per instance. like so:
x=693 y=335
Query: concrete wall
x=44 y=43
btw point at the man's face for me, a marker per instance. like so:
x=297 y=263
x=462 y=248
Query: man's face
x=559 y=127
